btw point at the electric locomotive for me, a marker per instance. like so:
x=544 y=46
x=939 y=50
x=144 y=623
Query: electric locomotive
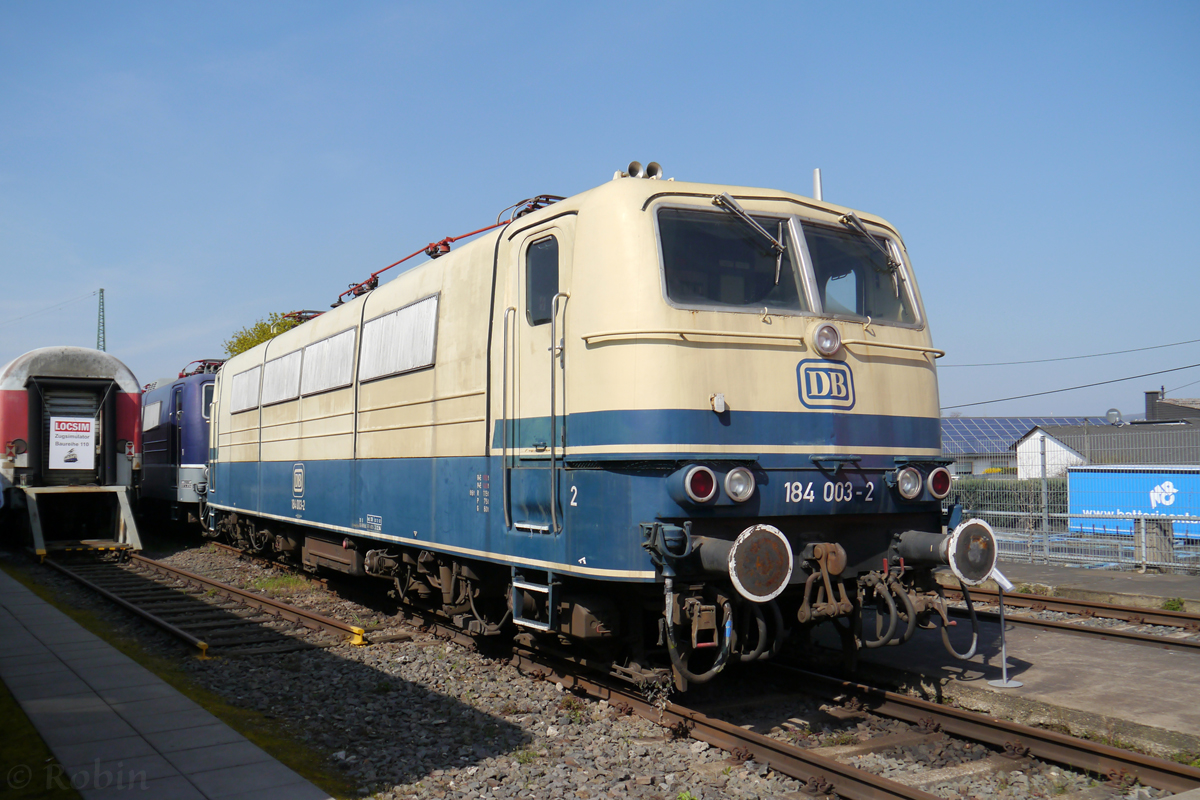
x=175 y=414
x=660 y=422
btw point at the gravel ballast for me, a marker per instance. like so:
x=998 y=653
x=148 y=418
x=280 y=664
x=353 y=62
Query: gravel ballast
x=421 y=717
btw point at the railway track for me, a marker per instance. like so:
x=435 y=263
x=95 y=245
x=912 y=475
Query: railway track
x=824 y=770
x=1184 y=633
x=187 y=605
x=266 y=562
x=214 y=617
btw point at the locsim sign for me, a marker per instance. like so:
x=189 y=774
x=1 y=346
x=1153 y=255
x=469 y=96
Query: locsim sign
x=825 y=384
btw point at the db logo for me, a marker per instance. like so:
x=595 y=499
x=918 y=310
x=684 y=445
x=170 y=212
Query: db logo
x=297 y=480
x=1163 y=494
x=825 y=384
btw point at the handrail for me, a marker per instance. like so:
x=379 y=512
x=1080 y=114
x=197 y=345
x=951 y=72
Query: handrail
x=504 y=422
x=917 y=348
x=683 y=333
x=557 y=353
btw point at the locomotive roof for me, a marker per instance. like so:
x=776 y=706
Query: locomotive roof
x=67 y=362
x=649 y=190
x=624 y=194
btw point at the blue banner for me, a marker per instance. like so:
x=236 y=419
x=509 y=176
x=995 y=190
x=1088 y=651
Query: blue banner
x=1096 y=492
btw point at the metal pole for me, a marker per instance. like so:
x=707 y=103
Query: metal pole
x=100 y=339
x=1143 y=556
x=1045 y=503
x=1005 y=683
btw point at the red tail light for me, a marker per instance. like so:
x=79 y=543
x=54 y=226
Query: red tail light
x=701 y=484
x=939 y=483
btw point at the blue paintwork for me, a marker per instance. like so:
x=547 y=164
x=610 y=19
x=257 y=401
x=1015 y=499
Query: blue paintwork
x=734 y=429
x=172 y=442
x=441 y=503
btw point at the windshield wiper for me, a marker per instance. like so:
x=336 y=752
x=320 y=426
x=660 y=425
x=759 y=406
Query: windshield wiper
x=726 y=202
x=852 y=221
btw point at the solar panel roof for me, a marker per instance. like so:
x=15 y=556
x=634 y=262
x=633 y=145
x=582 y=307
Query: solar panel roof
x=961 y=435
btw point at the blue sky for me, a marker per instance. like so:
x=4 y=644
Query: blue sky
x=210 y=163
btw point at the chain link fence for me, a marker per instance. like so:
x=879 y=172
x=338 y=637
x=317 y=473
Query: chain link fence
x=1115 y=497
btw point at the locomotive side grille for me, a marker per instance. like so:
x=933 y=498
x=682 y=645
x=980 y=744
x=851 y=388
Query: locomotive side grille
x=69 y=403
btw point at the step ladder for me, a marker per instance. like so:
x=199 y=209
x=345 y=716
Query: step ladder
x=519 y=585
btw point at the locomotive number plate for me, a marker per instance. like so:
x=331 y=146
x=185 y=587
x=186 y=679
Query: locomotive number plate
x=828 y=491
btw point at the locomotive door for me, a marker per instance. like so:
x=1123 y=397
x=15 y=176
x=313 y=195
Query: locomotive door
x=176 y=437
x=541 y=274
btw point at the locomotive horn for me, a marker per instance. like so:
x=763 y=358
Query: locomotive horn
x=654 y=170
x=970 y=550
x=635 y=170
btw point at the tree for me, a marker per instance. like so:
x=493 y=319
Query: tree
x=261 y=331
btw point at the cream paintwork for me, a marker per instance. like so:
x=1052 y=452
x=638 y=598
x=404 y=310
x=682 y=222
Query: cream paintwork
x=529 y=373
x=613 y=274
x=617 y=286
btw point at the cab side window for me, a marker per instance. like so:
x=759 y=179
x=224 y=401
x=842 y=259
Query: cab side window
x=541 y=280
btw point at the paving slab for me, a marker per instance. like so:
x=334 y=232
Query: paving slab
x=129 y=694
x=244 y=779
x=96 y=729
x=195 y=717
x=111 y=750
x=38 y=691
x=152 y=705
x=48 y=673
x=217 y=756
x=117 y=729
x=134 y=769
x=187 y=739
x=169 y=788
x=47 y=721
x=295 y=791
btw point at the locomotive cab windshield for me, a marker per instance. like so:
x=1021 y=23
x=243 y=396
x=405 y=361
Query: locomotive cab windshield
x=735 y=261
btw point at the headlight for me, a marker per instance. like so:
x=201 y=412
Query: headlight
x=739 y=484
x=700 y=484
x=827 y=340
x=909 y=482
x=939 y=482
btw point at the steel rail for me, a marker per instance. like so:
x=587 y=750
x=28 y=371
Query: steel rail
x=1088 y=608
x=266 y=562
x=1013 y=737
x=1081 y=608
x=308 y=619
x=146 y=615
x=1129 y=637
x=822 y=773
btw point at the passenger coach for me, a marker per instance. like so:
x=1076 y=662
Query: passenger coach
x=656 y=411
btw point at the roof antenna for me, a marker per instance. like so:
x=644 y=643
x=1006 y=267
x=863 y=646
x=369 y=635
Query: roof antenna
x=817 y=184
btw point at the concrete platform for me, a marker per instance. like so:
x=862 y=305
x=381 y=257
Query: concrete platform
x=1140 y=695
x=117 y=729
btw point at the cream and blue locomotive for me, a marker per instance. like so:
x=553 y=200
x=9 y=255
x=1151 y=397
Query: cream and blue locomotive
x=665 y=422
